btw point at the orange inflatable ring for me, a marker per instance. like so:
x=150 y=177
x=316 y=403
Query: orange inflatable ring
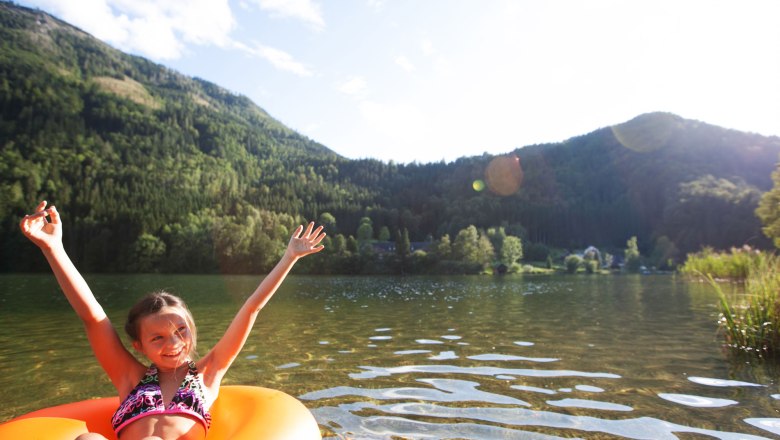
x=239 y=413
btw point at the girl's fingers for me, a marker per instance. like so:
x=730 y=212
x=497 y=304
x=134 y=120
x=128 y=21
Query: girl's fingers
x=318 y=239
x=309 y=227
x=297 y=232
x=41 y=206
x=55 y=215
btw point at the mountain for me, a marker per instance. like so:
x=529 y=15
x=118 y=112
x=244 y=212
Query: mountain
x=154 y=170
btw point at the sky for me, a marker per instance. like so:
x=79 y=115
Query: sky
x=431 y=80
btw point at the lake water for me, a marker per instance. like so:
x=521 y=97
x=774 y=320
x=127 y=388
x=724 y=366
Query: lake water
x=473 y=357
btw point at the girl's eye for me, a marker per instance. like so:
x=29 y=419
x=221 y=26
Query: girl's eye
x=182 y=329
x=156 y=338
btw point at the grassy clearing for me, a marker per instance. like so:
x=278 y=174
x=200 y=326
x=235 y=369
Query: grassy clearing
x=129 y=89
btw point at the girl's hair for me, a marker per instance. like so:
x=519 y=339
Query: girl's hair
x=153 y=303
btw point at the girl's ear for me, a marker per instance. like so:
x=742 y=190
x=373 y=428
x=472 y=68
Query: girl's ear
x=137 y=347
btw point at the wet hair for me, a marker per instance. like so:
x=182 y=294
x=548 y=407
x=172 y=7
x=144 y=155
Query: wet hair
x=153 y=303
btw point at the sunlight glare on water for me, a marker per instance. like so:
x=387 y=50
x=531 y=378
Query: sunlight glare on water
x=434 y=357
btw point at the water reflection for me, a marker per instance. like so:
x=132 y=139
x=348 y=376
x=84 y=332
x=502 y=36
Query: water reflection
x=374 y=372
x=443 y=357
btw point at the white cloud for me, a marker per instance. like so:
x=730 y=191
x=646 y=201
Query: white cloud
x=376 y=5
x=404 y=63
x=354 y=86
x=278 y=58
x=159 y=29
x=305 y=10
x=427 y=47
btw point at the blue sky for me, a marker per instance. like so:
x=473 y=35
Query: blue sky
x=430 y=80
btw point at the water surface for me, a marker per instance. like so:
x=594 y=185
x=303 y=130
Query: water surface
x=433 y=357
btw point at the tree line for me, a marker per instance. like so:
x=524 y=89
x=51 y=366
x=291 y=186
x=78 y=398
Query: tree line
x=156 y=171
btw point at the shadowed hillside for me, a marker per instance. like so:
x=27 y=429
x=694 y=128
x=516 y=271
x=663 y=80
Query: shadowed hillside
x=154 y=170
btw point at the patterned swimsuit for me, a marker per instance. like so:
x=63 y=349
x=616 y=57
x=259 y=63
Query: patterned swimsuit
x=146 y=399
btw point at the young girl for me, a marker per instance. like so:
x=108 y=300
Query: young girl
x=170 y=399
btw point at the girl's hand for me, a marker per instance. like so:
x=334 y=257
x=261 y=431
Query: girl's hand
x=306 y=242
x=45 y=233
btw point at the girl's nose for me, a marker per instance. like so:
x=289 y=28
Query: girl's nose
x=174 y=339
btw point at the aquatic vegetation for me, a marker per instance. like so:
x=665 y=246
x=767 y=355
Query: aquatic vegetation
x=751 y=321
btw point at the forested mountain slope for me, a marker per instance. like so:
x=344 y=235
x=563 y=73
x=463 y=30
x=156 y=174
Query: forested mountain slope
x=145 y=161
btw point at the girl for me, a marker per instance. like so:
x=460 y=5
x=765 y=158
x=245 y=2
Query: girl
x=171 y=398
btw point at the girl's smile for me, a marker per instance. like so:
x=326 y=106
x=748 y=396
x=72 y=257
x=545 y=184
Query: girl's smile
x=164 y=338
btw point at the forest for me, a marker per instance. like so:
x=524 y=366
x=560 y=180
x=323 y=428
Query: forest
x=154 y=171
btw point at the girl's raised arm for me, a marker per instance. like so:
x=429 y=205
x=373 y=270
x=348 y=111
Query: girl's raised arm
x=112 y=355
x=218 y=360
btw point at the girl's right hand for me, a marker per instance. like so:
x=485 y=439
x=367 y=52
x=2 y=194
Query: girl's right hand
x=45 y=233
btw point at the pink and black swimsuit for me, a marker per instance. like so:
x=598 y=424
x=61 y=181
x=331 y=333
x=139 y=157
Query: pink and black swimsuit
x=146 y=399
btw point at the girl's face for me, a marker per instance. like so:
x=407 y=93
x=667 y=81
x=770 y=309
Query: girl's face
x=164 y=338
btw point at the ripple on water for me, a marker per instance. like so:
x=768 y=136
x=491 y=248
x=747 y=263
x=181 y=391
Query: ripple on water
x=290 y=365
x=445 y=390
x=721 y=382
x=394 y=427
x=636 y=428
x=428 y=341
x=697 y=401
x=589 y=404
x=589 y=389
x=771 y=425
x=524 y=343
x=371 y=372
x=444 y=356
x=532 y=389
x=508 y=357
x=402 y=352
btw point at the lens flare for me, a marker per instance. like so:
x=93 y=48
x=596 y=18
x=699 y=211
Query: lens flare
x=504 y=175
x=478 y=185
x=646 y=133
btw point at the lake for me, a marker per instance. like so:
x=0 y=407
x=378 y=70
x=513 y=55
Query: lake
x=473 y=357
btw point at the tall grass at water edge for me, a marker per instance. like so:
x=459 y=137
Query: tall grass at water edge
x=734 y=264
x=750 y=321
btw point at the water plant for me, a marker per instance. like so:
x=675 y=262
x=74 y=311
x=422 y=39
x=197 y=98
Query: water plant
x=751 y=321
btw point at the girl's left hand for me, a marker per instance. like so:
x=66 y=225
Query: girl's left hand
x=305 y=242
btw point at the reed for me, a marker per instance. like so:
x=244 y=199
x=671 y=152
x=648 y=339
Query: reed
x=751 y=321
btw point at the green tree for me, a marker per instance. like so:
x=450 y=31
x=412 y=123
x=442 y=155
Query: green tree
x=384 y=233
x=352 y=245
x=769 y=210
x=497 y=235
x=511 y=250
x=471 y=247
x=572 y=263
x=466 y=247
x=442 y=248
x=147 y=250
x=633 y=261
x=328 y=221
x=402 y=245
x=365 y=231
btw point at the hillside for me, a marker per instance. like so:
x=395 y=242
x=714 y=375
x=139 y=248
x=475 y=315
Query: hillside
x=145 y=161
